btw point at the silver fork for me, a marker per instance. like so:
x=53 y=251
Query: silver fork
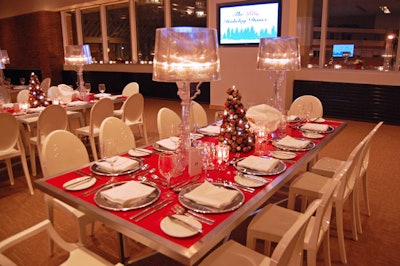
x=178 y=209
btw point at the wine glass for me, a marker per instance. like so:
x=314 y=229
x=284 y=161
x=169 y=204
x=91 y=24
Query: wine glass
x=307 y=110
x=207 y=151
x=261 y=135
x=22 y=80
x=167 y=165
x=102 y=88
x=109 y=152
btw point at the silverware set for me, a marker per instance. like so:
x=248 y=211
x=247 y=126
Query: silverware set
x=178 y=209
x=150 y=210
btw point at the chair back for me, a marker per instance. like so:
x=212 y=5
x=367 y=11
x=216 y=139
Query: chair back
x=133 y=108
x=115 y=129
x=197 y=115
x=23 y=96
x=100 y=110
x=45 y=85
x=10 y=131
x=5 y=94
x=130 y=89
x=53 y=117
x=289 y=250
x=296 y=108
x=62 y=151
x=367 y=148
x=322 y=218
x=167 y=119
x=53 y=92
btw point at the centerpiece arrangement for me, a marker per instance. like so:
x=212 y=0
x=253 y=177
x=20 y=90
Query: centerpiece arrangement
x=37 y=97
x=235 y=129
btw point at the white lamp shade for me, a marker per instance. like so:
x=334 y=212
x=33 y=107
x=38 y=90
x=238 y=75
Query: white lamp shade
x=77 y=55
x=282 y=53
x=186 y=54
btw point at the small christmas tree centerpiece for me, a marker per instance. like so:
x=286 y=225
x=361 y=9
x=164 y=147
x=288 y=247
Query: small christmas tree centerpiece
x=37 y=97
x=235 y=129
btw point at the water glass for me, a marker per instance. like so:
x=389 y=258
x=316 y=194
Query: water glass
x=109 y=151
x=166 y=165
x=22 y=80
x=222 y=154
x=261 y=136
x=102 y=88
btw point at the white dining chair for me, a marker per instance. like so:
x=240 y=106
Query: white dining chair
x=288 y=252
x=115 y=129
x=53 y=117
x=100 y=110
x=78 y=255
x=296 y=108
x=11 y=146
x=130 y=89
x=23 y=96
x=166 y=120
x=63 y=151
x=271 y=223
x=45 y=84
x=198 y=115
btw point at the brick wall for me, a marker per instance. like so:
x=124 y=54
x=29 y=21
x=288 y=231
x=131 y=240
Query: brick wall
x=34 y=41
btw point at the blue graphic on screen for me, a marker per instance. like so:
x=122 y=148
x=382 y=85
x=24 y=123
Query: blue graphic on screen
x=340 y=50
x=246 y=24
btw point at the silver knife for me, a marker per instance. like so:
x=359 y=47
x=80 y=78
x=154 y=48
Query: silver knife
x=80 y=182
x=185 y=224
x=153 y=211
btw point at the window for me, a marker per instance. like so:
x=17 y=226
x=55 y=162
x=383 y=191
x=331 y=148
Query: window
x=91 y=30
x=373 y=33
x=188 y=13
x=118 y=33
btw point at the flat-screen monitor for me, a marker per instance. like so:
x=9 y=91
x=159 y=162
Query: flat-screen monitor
x=244 y=23
x=343 y=50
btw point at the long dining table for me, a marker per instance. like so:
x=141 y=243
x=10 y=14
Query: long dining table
x=185 y=250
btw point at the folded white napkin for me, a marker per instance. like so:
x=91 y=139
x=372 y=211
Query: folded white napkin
x=76 y=103
x=8 y=105
x=288 y=141
x=258 y=163
x=36 y=110
x=264 y=115
x=169 y=143
x=65 y=93
x=127 y=193
x=211 y=129
x=121 y=164
x=211 y=195
x=315 y=127
x=102 y=95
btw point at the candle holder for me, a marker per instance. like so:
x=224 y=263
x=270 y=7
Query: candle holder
x=78 y=55
x=4 y=59
x=185 y=55
x=278 y=55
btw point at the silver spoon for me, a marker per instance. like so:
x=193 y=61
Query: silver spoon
x=143 y=168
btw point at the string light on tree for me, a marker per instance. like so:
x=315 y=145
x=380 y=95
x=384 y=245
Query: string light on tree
x=37 y=97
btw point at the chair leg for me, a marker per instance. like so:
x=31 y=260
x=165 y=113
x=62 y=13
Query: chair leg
x=26 y=172
x=340 y=232
x=327 y=249
x=365 y=190
x=50 y=215
x=10 y=171
x=145 y=134
x=356 y=216
x=94 y=149
x=82 y=232
x=250 y=241
x=32 y=155
x=291 y=200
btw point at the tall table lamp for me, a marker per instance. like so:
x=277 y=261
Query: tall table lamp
x=278 y=55
x=185 y=55
x=78 y=55
x=4 y=59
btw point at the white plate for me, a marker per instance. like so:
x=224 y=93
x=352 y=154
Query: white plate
x=312 y=135
x=283 y=155
x=102 y=95
x=248 y=182
x=139 y=153
x=85 y=184
x=175 y=229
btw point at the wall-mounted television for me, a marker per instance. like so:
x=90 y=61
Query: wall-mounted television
x=343 y=50
x=244 y=23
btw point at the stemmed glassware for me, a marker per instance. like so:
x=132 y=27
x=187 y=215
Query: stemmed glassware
x=222 y=154
x=307 y=110
x=102 y=88
x=207 y=150
x=166 y=165
x=22 y=80
x=109 y=152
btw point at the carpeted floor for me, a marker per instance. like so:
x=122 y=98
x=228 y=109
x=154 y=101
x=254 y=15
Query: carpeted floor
x=376 y=246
